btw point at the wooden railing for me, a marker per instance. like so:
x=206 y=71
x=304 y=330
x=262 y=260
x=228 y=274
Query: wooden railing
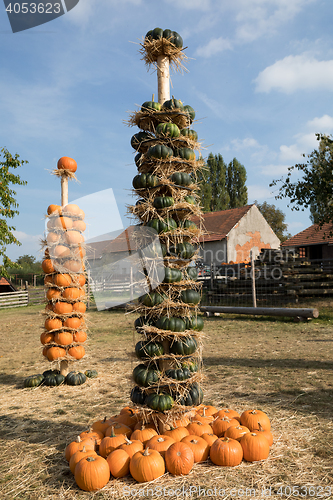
x=14 y=299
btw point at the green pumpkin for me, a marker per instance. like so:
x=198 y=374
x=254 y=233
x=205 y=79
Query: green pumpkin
x=154 y=250
x=183 y=250
x=176 y=39
x=188 y=132
x=142 y=321
x=159 y=402
x=178 y=373
x=50 y=372
x=157 y=34
x=75 y=378
x=172 y=275
x=152 y=299
x=139 y=138
x=190 y=296
x=181 y=178
x=163 y=202
x=149 y=36
x=194 y=396
x=185 y=153
x=137 y=396
x=173 y=324
x=192 y=273
x=151 y=105
x=91 y=373
x=191 y=364
x=190 y=112
x=137 y=159
x=145 y=376
x=146 y=349
x=184 y=347
x=34 y=380
x=187 y=224
x=173 y=104
x=144 y=181
x=190 y=199
x=167 y=34
x=160 y=226
x=54 y=380
x=194 y=323
x=167 y=130
x=160 y=152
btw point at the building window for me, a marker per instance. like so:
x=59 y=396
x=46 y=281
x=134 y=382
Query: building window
x=301 y=252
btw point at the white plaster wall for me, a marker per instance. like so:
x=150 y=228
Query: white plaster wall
x=244 y=235
x=213 y=252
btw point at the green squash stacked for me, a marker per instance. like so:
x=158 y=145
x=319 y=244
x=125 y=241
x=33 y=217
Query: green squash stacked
x=168 y=373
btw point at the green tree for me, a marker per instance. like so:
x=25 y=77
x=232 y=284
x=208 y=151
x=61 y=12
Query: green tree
x=222 y=186
x=314 y=190
x=26 y=260
x=8 y=206
x=236 y=184
x=275 y=218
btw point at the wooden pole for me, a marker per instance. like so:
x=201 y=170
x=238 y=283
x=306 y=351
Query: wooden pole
x=163 y=78
x=64 y=201
x=253 y=278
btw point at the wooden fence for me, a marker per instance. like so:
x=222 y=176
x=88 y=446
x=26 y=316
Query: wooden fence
x=14 y=299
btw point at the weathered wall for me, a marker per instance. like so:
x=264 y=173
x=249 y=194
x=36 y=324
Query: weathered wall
x=251 y=233
x=213 y=252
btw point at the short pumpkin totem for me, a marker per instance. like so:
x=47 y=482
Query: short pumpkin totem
x=65 y=331
x=167 y=158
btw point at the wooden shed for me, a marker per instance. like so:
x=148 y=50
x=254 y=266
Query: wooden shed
x=313 y=243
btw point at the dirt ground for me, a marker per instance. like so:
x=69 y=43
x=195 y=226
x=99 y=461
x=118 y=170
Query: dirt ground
x=281 y=367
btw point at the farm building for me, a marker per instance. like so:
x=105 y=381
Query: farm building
x=232 y=234
x=313 y=243
x=6 y=286
x=230 y=237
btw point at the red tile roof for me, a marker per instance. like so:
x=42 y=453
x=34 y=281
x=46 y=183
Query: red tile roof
x=313 y=235
x=218 y=225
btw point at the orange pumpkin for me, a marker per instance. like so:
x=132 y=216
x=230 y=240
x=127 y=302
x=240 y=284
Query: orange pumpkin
x=74 y=237
x=53 y=323
x=199 y=446
x=77 y=351
x=111 y=443
x=63 y=338
x=131 y=447
x=74 y=446
x=221 y=424
x=118 y=428
x=209 y=437
x=226 y=451
x=79 y=455
x=52 y=238
x=62 y=308
x=268 y=435
x=72 y=293
x=178 y=433
x=61 y=222
x=252 y=418
x=100 y=425
x=119 y=463
x=62 y=280
x=255 y=446
x=71 y=209
x=67 y=163
x=47 y=266
x=227 y=412
x=179 y=459
x=79 y=307
x=143 y=434
x=73 y=322
x=236 y=432
x=60 y=252
x=198 y=428
x=53 y=293
x=80 y=225
x=147 y=465
x=160 y=443
x=54 y=353
x=51 y=209
x=207 y=411
x=79 y=336
x=96 y=436
x=74 y=266
x=92 y=473
x=46 y=338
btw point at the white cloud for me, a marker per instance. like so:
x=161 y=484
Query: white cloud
x=293 y=152
x=30 y=246
x=295 y=225
x=256 y=192
x=321 y=125
x=213 y=47
x=273 y=170
x=246 y=143
x=204 y=5
x=302 y=72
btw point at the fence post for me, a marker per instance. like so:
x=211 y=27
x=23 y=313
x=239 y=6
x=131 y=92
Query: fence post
x=253 y=278
x=131 y=284
x=88 y=289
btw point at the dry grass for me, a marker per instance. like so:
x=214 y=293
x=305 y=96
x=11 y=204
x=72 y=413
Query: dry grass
x=281 y=367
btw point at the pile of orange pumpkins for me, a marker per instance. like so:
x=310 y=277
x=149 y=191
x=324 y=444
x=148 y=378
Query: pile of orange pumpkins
x=121 y=445
x=63 y=265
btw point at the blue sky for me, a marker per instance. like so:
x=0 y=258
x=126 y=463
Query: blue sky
x=260 y=79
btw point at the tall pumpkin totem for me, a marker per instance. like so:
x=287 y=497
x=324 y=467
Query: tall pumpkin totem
x=169 y=374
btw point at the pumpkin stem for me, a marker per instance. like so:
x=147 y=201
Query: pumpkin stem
x=113 y=434
x=84 y=449
x=78 y=439
x=146 y=452
x=153 y=98
x=160 y=440
x=91 y=459
x=128 y=441
x=260 y=427
x=104 y=420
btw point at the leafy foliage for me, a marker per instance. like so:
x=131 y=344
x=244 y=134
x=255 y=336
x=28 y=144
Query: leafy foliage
x=275 y=218
x=315 y=189
x=222 y=186
x=8 y=206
